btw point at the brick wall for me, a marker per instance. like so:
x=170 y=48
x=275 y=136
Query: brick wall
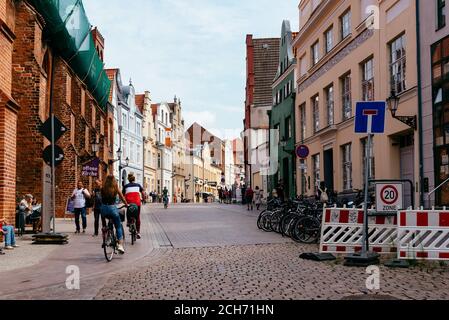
x=31 y=66
x=27 y=79
x=8 y=115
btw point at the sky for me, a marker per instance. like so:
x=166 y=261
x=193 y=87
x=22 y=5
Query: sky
x=194 y=49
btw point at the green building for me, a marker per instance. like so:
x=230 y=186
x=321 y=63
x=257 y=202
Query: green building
x=282 y=117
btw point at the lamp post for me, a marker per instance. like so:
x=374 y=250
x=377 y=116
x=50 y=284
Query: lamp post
x=393 y=106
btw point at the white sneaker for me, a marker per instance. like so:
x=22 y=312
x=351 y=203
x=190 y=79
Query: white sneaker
x=120 y=249
x=9 y=248
x=16 y=246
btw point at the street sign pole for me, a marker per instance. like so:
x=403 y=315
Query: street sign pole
x=365 y=240
x=53 y=180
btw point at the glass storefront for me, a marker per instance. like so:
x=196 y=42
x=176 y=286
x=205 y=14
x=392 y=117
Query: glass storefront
x=440 y=99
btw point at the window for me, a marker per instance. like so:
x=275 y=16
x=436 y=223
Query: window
x=347 y=166
x=303 y=66
x=303 y=176
x=316 y=113
x=330 y=104
x=372 y=171
x=303 y=122
x=316 y=171
x=288 y=128
x=398 y=65
x=68 y=88
x=329 y=40
x=132 y=151
x=346 y=97
x=139 y=128
x=86 y=139
x=94 y=119
x=139 y=154
x=101 y=125
x=72 y=128
x=441 y=14
x=368 y=80
x=315 y=53
x=132 y=124
x=124 y=121
x=345 y=21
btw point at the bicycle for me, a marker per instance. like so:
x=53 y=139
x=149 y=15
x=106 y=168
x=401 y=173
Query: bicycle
x=132 y=224
x=110 y=242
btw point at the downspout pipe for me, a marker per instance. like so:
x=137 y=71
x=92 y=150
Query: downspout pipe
x=420 y=106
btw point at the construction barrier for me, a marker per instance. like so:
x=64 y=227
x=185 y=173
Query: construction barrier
x=423 y=235
x=342 y=232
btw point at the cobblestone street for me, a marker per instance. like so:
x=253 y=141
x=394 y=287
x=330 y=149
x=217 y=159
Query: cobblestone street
x=212 y=252
x=234 y=260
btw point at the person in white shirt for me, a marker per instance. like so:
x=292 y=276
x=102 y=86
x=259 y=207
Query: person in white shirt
x=79 y=196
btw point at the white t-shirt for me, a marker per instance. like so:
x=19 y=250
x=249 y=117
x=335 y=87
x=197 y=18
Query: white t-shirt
x=80 y=199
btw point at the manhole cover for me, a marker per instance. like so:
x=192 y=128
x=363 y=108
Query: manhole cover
x=370 y=297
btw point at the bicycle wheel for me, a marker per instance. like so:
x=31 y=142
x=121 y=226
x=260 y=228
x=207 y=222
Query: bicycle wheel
x=133 y=233
x=307 y=230
x=275 y=222
x=265 y=221
x=109 y=243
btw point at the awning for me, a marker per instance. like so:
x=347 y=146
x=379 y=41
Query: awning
x=69 y=31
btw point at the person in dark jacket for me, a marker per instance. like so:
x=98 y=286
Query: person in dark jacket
x=97 y=207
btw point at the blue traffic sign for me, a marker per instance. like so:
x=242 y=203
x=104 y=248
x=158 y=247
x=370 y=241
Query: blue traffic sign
x=370 y=117
x=302 y=152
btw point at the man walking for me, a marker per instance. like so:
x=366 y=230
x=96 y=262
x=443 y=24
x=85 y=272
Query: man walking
x=79 y=197
x=250 y=198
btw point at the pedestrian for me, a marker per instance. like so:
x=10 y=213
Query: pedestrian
x=324 y=197
x=258 y=194
x=8 y=231
x=280 y=191
x=25 y=209
x=109 y=210
x=249 y=195
x=133 y=193
x=96 y=193
x=79 y=197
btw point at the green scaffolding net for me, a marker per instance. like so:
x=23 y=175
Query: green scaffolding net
x=69 y=30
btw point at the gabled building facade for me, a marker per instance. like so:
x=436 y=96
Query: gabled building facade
x=150 y=148
x=282 y=117
x=262 y=60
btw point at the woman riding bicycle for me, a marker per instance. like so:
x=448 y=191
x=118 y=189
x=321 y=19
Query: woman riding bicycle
x=109 y=210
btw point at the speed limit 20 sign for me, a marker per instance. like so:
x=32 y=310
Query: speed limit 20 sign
x=389 y=197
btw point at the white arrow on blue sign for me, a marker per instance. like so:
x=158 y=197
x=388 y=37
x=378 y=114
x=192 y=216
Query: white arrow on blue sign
x=370 y=117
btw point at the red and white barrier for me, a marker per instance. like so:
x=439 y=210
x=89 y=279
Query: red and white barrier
x=342 y=232
x=423 y=235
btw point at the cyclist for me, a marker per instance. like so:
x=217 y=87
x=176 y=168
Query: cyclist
x=134 y=194
x=109 y=210
x=165 y=196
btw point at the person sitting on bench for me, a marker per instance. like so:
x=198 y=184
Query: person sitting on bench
x=8 y=232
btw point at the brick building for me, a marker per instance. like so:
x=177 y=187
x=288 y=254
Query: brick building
x=37 y=68
x=262 y=60
x=8 y=112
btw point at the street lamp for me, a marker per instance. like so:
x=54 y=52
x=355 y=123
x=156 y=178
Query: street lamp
x=95 y=147
x=393 y=106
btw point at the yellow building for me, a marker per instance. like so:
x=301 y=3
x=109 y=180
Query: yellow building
x=205 y=175
x=349 y=51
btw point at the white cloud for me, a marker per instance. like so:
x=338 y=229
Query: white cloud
x=194 y=49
